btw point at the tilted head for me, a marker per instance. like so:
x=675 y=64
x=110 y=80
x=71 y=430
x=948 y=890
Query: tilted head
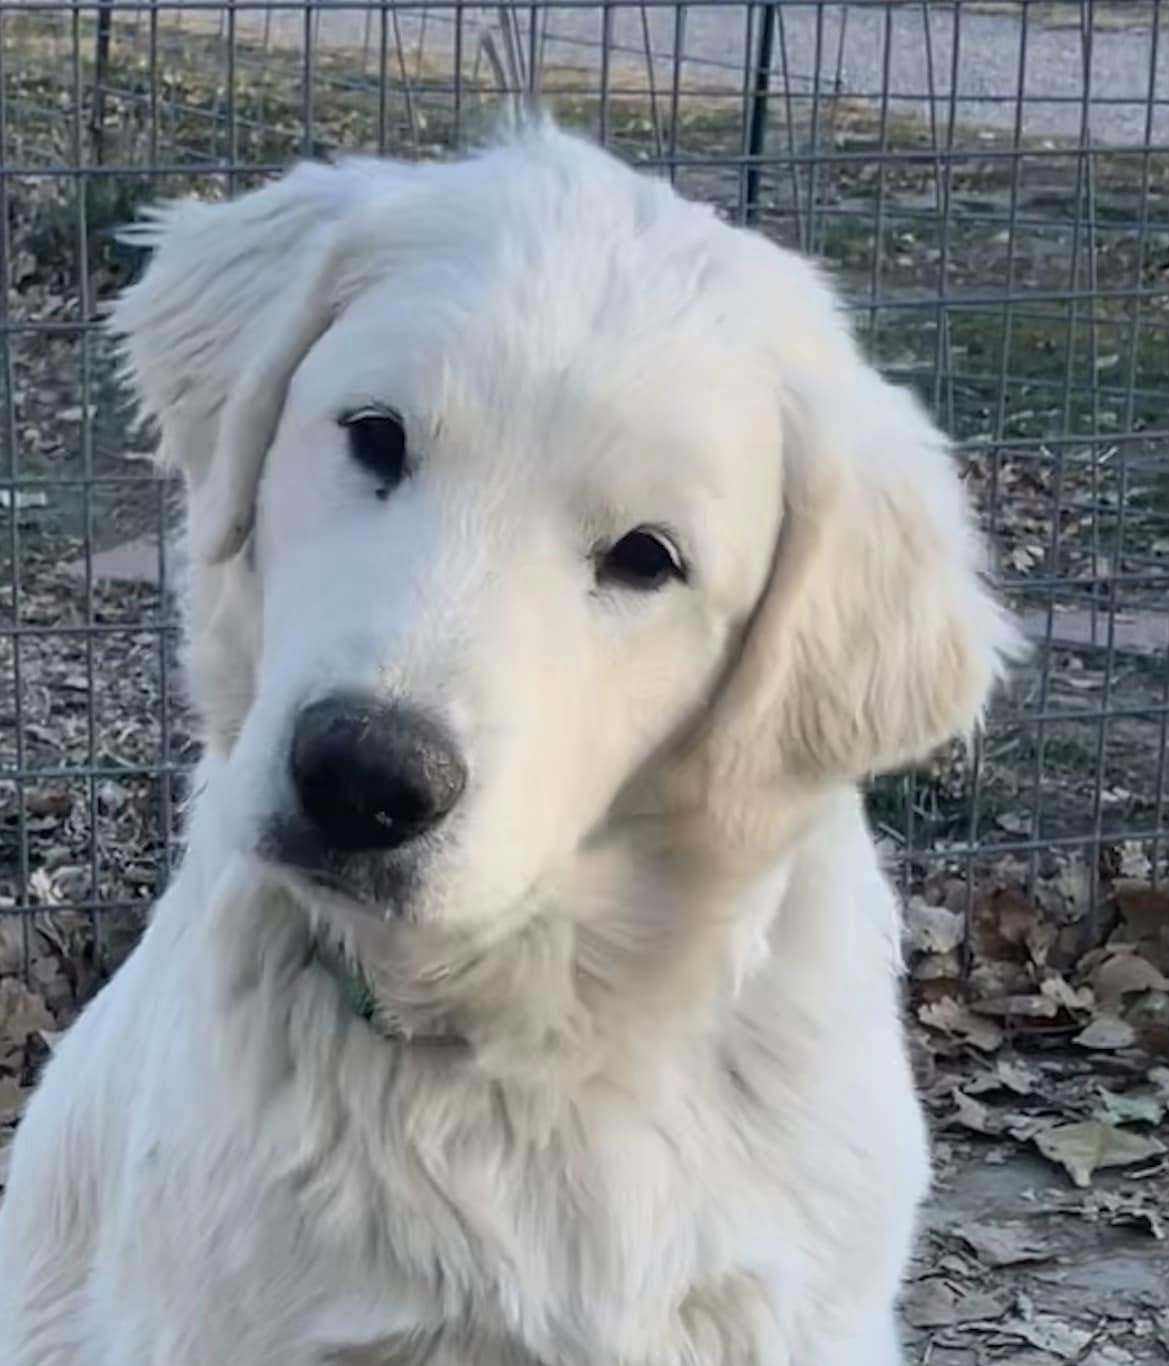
x=525 y=496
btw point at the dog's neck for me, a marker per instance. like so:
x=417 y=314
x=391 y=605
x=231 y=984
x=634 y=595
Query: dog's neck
x=643 y=939
x=361 y=997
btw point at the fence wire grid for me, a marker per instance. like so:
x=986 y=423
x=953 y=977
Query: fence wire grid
x=988 y=183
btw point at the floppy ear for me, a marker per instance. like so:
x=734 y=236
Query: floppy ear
x=235 y=295
x=876 y=638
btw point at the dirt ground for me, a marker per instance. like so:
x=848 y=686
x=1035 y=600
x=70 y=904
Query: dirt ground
x=1038 y=980
x=1029 y=1254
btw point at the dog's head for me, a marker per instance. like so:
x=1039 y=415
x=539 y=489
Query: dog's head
x=524 y=497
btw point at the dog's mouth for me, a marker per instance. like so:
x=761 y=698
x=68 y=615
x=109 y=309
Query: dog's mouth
x=373 y=883
x=342 y=887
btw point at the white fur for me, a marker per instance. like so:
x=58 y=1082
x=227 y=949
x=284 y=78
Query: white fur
x=680 y=1130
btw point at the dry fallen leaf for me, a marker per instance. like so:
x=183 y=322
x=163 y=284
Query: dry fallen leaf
x=1061 y=994
x=1123 y=974
x=1024 y=1127
x=1143 y=1217
x=1049 y=1334
x=1029 y=1007
x=933 y=929
x=949 y=1017
x=971 y=1114
x=935 y=1304
x=1006 y=1075
x=1145 y=909
x=1002 y=926
x=1014 y=822
x=1064 y=899
x=1081 y=1149
x=1134 y=1108
x=1105 y=1033
x=1134 y=862
x=982 y=1119
x=22 y=1013
x=1005 y=1244
x=11 y=1100
x=11 y=945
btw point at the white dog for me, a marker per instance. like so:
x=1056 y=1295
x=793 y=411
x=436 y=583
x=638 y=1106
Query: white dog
x=528 y=993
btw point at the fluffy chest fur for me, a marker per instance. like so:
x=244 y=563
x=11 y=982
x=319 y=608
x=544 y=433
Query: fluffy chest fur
x=645 y=1188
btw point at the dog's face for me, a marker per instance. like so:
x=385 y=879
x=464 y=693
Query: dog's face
x=501 y=570
x=527 y=498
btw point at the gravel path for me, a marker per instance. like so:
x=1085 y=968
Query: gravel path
x=1116 y=66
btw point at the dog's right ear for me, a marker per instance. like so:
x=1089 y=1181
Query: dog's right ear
x=234 y=296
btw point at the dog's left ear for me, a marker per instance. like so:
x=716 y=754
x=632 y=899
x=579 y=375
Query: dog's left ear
x=877 y=637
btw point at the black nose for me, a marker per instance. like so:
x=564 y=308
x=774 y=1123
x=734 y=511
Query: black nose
x=372 y=775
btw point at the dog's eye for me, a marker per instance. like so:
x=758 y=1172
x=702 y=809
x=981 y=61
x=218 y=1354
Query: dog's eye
x=641 y=559
x=377 y=441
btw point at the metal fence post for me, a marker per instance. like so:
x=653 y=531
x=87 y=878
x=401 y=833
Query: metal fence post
x=757 y=123
x=101 y=66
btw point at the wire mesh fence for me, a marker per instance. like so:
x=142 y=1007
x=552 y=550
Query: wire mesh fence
x=988 y=182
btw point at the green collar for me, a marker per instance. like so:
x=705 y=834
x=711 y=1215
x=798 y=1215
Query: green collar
x=355 y=987
x=358 y=994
